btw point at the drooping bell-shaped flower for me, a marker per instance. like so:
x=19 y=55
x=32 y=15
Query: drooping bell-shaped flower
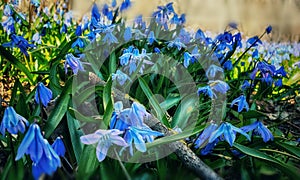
x=12 y=122
x=219 y=86
x=42 y=94
x=44 y=158
x=74 y=63
x=59 y=147
x=228 y=131
x=242 y=103
x=139 y=137
x=259 y=129
x=205 y=135
x=212 y=71
x=207 y=91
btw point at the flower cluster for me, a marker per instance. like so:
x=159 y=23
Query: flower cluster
x=127 y=127
x=45 y=158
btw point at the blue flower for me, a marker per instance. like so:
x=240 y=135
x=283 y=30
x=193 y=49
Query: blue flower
x=213 y=70
x=278 y=83
x=157 y=50
x=105 y=139
x=7 y=10
x=268 y=79
x=36 y=3
x=269 y=29
x=245 y=85
x=209 y=147
x=219 y=86
x=233 y=25
x=176 y=43
x=280 y=72
x=242 y=103
x=64 y=29
x=139 y=136
x=205 y=134
x=127 y=34
x=184 y=36
x=190 y=58
x=44 y=158
x=113 y=3
x=74 y=63
x=95 y=13
x=79 y=43
x=106 y=12
x=9 y=25
x=37 y=38
x=255 y=54
x=59 y=147
x=260 y=129
x=43 y=94
x=163 y=13
x=228 y=65
x=120 y=77
x=12 y=122
x=227 y=131
x=254 y=40
x=178 y=20
x=207 y=91
x=125 y=5
x=151 y=38
x=78 y=31
x=20 y=42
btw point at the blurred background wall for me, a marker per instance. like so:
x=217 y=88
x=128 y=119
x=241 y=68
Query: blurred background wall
x=213 y=15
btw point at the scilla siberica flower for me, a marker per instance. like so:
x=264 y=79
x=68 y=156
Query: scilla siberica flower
x=20 y=42
x=120 y=77
x=12 y=122
x=212 y=71
x=219 y=86
x=163 y=13
x=205 y=135
x=125 y=5
x=207 y=91
x=44 y=158
x=131 y=121
x=242 y=103
x=43 y=94
x=227 y=131
x=260 y=129
x=105 y=139
x=190 y=58
x=139 y=136
x=59 y=147
x=74 y=63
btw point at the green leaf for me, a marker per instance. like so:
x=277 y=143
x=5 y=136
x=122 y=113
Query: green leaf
x=63 y=48
x=253 y=114
x=107 y=102
x=80 y=117
x=184 y=111
x=60 y=109
x=112 y=63
x=13 y=60
x=291 y=171
x=88 y=162
x=75 y=133
x=293 y=149
x=54 y=80
x=153 y=101
x=176 y=137
x=169 y=102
